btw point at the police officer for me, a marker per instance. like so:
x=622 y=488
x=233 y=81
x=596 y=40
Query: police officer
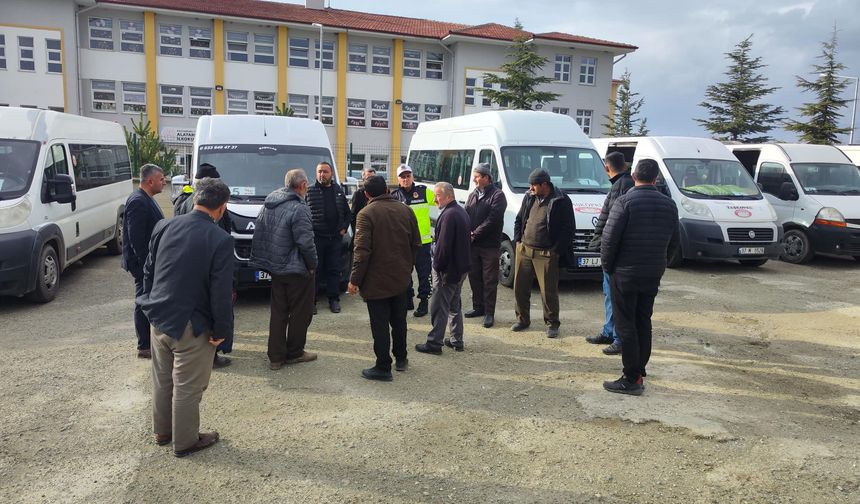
x=419 y=198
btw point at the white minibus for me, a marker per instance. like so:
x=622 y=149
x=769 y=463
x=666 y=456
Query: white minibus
x=515 y=142
x=64 y=180
x=853 y=153
x=815 y=190
x=723 y=215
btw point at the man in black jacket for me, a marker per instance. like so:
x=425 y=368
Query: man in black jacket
x=641 y=226
x=621 y=180
x=486 y=208
x=331 y=218
x=359 y=199
x=187 y=295
x=543 y=233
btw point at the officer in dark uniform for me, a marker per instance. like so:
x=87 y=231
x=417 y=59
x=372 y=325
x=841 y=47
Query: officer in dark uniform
x=419 y=198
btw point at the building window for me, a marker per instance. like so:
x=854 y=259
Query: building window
x=201 y=101
x=583 y=118
x=171 y=39
x=327 y=54
x=587 y=70
x=200 y=42
x=237 y=101
x=379 y=162
x=470 y=90
x=101 y=33
x=381 y=60
x=104 y=96
x=358 y=57
x=486 y=102
x=327 y=110
x=2 y=51
x=171 y=100
x=356 y=165
x=264 y=103
x=299 y=104
x=355 y=113
x=237 y=46
x=55 y=56
x=25 y=54
x=134 y=97
x=409 y=116
x=432 y=112
x=299 y=52
x=561 y=110
x=562 y=67
x=264 y=49
x=433 y=65
x=411 y=63
x=131 y=36
x=379 y=112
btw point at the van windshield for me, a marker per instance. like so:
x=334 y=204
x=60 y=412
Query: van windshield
x=828 y=178
x=571 y=169
x=17 y=163
x=712 y=179
x=254 y=171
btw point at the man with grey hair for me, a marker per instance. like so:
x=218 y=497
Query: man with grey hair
x=188 y=285
x=450 y=267
x=141 y=215
x=283 y=245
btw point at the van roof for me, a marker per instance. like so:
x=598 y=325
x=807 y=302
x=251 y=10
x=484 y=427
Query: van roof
x=676 y=147
x=44 y=125
x=260 y=129
x=803 y=153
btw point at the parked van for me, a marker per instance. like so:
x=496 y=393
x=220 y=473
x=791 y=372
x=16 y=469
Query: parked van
x=252 y=153
x=723 y=215
x=815 y=190
x=515 y=142
x=64 y=180
x=853 y=153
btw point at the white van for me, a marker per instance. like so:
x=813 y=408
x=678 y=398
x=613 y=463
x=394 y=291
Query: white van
x=515 y=142
x=64 y=180
x=723 y=215
x=853 y=153
x=815 y=190
x=252 y=153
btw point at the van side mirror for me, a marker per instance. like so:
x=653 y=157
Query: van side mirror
x=60 y=189
x=788 y=192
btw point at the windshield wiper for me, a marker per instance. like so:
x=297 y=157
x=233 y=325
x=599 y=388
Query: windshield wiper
x=584 y=190
x=850 y=191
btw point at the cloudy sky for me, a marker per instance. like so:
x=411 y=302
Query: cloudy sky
x=681 y=44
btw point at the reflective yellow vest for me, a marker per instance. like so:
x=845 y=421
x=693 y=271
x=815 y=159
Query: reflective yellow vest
x=419 y=200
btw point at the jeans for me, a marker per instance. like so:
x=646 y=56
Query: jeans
x=609 y=325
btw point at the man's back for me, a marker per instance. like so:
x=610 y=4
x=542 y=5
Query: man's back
x=141 y=215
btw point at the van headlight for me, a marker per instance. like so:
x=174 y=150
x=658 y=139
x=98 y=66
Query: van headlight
x=16 y=214
x=696 y=209
x=829 y=216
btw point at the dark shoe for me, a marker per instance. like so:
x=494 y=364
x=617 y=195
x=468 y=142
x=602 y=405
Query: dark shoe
x=372 y=373
x=401 y=365
x=221 y=361
x=304 y=357
x=519 y=326
x=552 y=332
x=489 y=321
x=422 y=308
x=144 y=354
x=204 y=440
x=473 y=313
x=449 y=344
x=425 y=348
x=624 y=386
x=599 y=340
x=163 y=439
x=334 y=306
x=612 y=349
x=274 y=366
x=411 y=304
x=315 y=308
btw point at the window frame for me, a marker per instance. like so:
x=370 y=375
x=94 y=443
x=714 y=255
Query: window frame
x=431 y=115
x=162 y=104
x=94 y=90
x=235 y=55
x=377 y=108
x=133 y=92
x=588 y=69
x=380 y=164
x=328 y=102
x=31 y=48
x=299 y=100
x=260 y=48
x=583 y=116
x=195 y=92
x=327 y=63
x=385 y=52
x=3 y=61
x=164 y=49
x=355 y=120
x=59 y=53
x=108 y=42
x=562 y=60
x=199 y=33
x=417 y=67
x=434 y=71
x=235 y=110
x=265 y=102
x=470 y=96
x=558 y=110
x=294 y=60
x=354 y=50
x=410 y=109
x=126 y=27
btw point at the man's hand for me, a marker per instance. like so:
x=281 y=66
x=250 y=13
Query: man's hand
x=215 y=342
x=352 y=289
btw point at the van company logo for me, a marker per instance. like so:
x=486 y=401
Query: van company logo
x=743 y=213
x=752 y=234
x=590 y=209
x=250 y=226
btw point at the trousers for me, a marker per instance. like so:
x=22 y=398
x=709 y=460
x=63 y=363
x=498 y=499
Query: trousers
x=484 y=278
x=384 y=314
x=632 y=307
x=543 y=264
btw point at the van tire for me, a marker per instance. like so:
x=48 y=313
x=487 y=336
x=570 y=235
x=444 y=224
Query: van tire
x=114 y=246
x=752 y=263
x=47 y=277
x=797 y=247
x=674 y=257
x=506 y=263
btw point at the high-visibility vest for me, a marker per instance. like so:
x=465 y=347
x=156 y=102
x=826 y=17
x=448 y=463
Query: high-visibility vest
x=420 y=199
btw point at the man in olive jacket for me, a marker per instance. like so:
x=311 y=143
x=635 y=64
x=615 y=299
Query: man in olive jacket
x=386 y=241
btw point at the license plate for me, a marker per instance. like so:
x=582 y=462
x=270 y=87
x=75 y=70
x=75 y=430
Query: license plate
x=588 y=262
x=262 y=276
x=751 y=251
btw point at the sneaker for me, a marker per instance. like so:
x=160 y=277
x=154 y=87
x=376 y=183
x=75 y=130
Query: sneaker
x=422 y=308
x=401 y=365
x=449 y=344
x=304 y=357
x=599 y=340
x=473 y=313
x=334 y=306
x=624 y=386
x=146 y=353
x=426 y=348
x=204 y=440
x=520 y=326
x=552 y=332
x=221 y=361
x=376 y=374
x=612 y=349
x=489 y=321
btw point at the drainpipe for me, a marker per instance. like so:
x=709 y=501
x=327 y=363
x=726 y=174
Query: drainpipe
x=451 y=80
x=78 y=61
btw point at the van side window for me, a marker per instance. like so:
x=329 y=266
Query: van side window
x=488 y=156
x=452 y=166
x=771 y=176
x=55 y=163
x=98 y=165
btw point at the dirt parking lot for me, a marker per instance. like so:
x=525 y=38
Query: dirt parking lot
x=753 y=395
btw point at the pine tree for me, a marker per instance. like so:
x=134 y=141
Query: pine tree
x=734 y=107
x=145 y=146
x=822 y=125
x=284 y=110
x=625 y=109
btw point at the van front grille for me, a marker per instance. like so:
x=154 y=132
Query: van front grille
x=581 y=239
x=243 y=249
x=750 y=235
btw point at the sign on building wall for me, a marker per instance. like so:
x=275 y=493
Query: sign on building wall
x=177 y=135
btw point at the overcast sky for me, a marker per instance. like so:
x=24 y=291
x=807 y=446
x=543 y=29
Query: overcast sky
x=681 y=44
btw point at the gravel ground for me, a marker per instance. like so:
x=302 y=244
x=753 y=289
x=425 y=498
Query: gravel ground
x=753 y=395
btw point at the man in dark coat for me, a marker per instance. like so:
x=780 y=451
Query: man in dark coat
x=450 y=267
x=359 y=199
x=622 y=182
x=188 y=285
x=641 y=226
x=386 y=241
x=141 y=215
x=486 y=207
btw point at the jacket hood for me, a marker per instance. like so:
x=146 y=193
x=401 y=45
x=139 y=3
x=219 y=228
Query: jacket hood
x=280 y=197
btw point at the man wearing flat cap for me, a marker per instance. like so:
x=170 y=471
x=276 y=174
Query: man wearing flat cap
x=543 y=232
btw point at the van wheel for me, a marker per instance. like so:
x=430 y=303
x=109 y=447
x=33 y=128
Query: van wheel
x=797 y=248
x=47 y=277
x=752 y=263
x=506 y=264
x=115 y=246
x=674 y=257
